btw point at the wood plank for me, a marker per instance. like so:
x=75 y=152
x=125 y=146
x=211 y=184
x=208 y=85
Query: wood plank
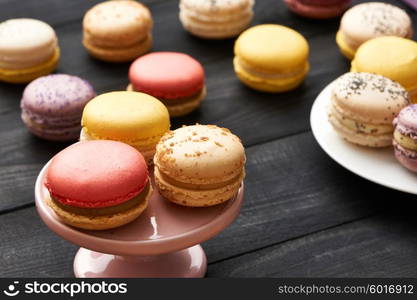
x=382 y=246
x=290 y=192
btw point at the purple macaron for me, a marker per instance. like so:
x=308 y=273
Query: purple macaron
x=405 y=137
x=52 y=106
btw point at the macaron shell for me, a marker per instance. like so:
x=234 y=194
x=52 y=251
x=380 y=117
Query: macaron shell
x=29 y=74
x=216 y=19
x=373 y=19
x=217 y=8
x=96 y=174
x=369 y=98
x=130 y=117
x=346 y=50
x=317 y=10
x=392 y=57
x=168 y=75
x=261 y=47
x=57 y=95
x=200 y=154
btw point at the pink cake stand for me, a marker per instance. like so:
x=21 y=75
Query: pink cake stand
x=162 y=242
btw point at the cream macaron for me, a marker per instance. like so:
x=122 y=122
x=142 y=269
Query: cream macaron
x=363 y=107
x=216 y=19
x=199 y=165
x=370 y=20
x=117 y=31
x=28 y=49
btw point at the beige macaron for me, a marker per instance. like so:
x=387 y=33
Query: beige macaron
x=363 y=106
x=216 y=19
x=117 y=30
x=199 y=165
x=369 y=20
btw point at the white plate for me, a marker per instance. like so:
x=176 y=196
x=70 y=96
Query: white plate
x=377 y=165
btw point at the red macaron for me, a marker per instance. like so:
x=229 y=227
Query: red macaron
x=175 y=78
x=98 y=184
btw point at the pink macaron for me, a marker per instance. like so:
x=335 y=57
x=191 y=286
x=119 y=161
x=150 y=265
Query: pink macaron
x=318 y=9
x=176 y=79
x=98 y=184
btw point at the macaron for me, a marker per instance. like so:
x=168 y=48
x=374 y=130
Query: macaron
x=176 y=79
x=28 y=49
x=263 y=63
x=98 y=185
x=199 y=165
x=363 y=107
x=369 y=20
x=405 y=137
x=117 y=30
x=216 y=19
x=318 y=9
x=137 y=119
x=52 y=106
x=392 y=57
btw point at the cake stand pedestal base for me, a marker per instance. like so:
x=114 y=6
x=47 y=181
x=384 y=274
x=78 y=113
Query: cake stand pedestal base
x=190 y=262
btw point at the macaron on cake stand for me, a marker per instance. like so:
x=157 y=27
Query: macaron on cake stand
x=162 y=242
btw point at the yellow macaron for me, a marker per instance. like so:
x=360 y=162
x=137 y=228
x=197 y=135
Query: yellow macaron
x=134 y=118
x=392 y=57
x=263 y=63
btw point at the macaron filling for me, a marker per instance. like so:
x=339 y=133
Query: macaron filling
x=294 y=72
x=360 y=127
x=193 y=186
x=103 y=211
x=405 y=141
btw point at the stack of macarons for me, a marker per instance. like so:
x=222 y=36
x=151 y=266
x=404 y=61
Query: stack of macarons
x=363 y=107
x=28 y=49
x=263 y=63
x=318 y=9
x=216 y=19
x=369 y=20
x=174 y=78
x=117 y=31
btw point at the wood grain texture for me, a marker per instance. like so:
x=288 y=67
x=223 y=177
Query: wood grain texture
x=382 y=246
x=303 y=214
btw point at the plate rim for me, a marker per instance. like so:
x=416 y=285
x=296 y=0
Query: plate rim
x=314 y=111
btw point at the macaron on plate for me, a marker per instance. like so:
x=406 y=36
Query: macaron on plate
x=378 y=165
x=133 y=249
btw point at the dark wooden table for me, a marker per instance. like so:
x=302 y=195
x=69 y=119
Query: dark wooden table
x=303 y=215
